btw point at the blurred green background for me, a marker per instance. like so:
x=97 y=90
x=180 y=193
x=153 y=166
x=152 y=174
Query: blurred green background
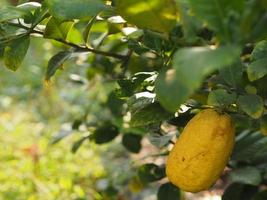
x=34 y=115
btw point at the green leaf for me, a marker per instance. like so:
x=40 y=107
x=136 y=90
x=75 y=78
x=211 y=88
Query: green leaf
x=190 y=23
x=16 y=51
x=258 y=68
x=259 y=51
x=75 y=9
x=232 y=74
x=132 y=142
x=158 y=15
x=263 y=125
x=237 y=191
x=246 y=175
x=190 y=67
x=250 y=147
x=2 y=51
x=57 y=29
x=56 y=63
x=168 y=191
x=159 y=140
x=215 y=13
x=105 y=133
x=251 y=104
x=150 y=172
x=76 y=124
x=10 y=12
x=78 y=144
x=220 y=98
x=86 y=32
x=115 y=104
x=150 y=114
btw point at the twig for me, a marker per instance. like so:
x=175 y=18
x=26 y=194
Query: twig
x=125 y=62
x=77 y=47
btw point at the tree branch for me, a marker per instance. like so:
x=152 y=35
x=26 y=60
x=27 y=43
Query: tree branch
x=77 y=47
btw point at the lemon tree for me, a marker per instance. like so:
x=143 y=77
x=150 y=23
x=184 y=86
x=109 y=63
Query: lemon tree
x=159 y=63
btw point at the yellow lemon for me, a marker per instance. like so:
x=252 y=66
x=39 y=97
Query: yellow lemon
x=201 y=152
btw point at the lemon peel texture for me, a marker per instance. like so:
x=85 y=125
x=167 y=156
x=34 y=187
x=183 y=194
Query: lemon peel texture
x=201 y=152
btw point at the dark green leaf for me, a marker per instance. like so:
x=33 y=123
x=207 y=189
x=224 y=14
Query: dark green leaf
x=190 y=23
x=246 y=175
x=237 y=191
x=191 y=66
x=251 y=147
x=115 y=104
x=151 y=172
x=251 y=104
x=2 y=50
x=182 y=119
x=263 y=125
x=168 y=191
x=221 y=97
x=15 y=52
x=75 y=9
x=215 y=12
x=56 y=63
x=261 y=195
x=76 y=124
x=143 y=13
x=105 y=133
x=56 y=29
x=78 y=144
x=132 y=142
x=232 y=74
x=150 y=114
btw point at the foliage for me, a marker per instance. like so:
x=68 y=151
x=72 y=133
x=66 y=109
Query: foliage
x=146 y=68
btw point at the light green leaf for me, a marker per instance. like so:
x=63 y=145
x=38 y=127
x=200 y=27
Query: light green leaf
x=251 y=104
x=190 y=67
x=158 y=15
x=15 y=52
x=246 y=175
x=56 y=63
x=75 y=9
x=260 y=51
x=57 y=29
x=87 y=30
x=221 y=97
x=9 y=12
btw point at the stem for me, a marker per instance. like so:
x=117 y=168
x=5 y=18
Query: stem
x=77 y=47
